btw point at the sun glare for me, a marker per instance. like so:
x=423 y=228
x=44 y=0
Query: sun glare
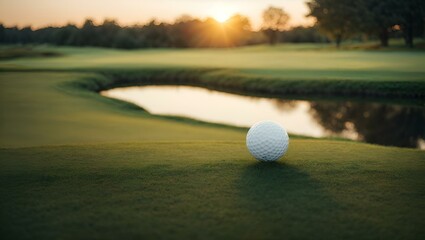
x=221 y=17
x=221 y=12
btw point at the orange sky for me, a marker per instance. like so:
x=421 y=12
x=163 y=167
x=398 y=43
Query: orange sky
x=40 y=13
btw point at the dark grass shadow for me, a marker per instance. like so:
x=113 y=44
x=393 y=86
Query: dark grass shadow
x=26 y=52
x=285 y=200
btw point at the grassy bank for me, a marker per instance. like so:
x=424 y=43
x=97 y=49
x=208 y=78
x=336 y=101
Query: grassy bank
x=284 y=71
x=234 y=82
x=42 y=109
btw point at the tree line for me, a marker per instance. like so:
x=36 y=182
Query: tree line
x=336 y=20
x=343 y=19
x=185 y=32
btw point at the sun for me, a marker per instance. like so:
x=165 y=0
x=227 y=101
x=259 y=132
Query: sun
x=221 y=17
x=221 y=12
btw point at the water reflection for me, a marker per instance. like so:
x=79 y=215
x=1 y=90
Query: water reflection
x=371 y=122
x=285 y=105
x=374 y=123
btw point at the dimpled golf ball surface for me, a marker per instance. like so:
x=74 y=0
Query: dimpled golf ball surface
x=267 y=141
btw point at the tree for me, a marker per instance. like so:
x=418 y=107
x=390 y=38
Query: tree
x=87 y=36
x=239 y=22
x=238 y=29
x=275 y=20
x=184 y=18
x=379 y=18
x=155 y=35
x=185 y=32
x=108 y=31
x=412 y=19
x=2 y=33
x=339 y=19
x=65 y=35
x=124 y=39
x=26 y=35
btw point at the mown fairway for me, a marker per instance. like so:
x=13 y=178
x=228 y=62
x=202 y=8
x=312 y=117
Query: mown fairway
x=76 y=165
x=303 y=62
x=321 y=189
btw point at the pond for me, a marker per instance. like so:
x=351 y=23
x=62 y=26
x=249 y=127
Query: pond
x=385 y=124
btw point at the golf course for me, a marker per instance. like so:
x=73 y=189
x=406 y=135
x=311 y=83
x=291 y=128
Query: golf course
x=77 y=165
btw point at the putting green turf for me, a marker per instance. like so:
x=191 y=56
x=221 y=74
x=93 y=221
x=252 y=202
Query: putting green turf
x=76 y=165
x=321 y=189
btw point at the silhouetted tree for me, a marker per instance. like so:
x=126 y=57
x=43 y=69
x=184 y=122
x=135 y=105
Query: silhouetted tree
x=412 y=20
x=87 y=35
x=124 y=39
x=26 y=35
x=184 y=33
x=2 y=33
x=237 y=28
x=379 y=18
x=184 y=18
x=66 y=35
x=275 y=20
x=107 y=32
x=340 y=19
x=239 y=22
x=155 y=35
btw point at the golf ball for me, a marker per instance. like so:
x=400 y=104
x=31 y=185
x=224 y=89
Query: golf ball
x=267 y=141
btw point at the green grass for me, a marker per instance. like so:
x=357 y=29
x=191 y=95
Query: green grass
x=212 y=190
x=74 y=164
x=282 y=70
x=42 y=109
x=285 y=62
x=12 y=52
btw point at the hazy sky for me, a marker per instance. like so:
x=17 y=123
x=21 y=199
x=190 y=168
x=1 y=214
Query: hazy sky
x=40 y=13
